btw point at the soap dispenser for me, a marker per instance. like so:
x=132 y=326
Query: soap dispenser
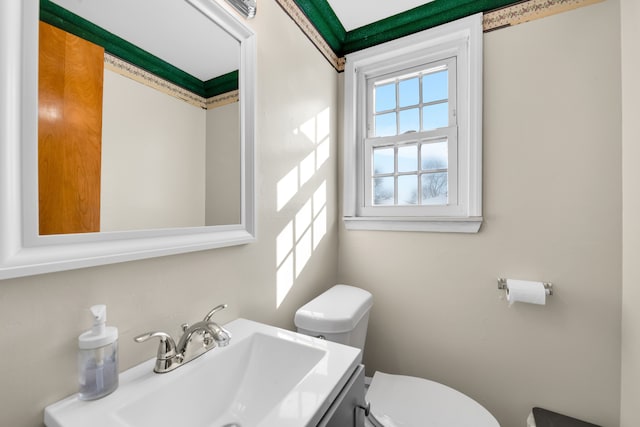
x=98 y=357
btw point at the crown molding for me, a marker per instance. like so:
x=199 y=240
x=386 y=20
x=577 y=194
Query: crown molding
x=320 y=24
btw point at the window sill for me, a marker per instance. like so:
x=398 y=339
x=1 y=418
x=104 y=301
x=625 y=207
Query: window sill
x=435 y=224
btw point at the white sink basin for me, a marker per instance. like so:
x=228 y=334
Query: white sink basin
x=266 y=377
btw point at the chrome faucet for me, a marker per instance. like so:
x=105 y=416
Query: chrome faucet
x=196 y=340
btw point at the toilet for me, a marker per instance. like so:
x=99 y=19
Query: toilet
x=341 y=314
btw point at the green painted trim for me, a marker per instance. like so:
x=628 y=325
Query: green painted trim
x=322 y=16
x=418 y=19
x=221 y=84
x=61 y=18
x=412 y=21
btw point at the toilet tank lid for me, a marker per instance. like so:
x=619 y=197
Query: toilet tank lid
x=337 y=310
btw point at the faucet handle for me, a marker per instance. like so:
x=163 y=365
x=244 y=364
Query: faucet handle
x=214 y=311
x=167 y=347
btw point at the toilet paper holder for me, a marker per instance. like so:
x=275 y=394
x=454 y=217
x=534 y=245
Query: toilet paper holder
x=502 y=284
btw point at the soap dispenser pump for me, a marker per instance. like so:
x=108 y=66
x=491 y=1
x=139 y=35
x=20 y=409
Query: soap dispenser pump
x=98 y=357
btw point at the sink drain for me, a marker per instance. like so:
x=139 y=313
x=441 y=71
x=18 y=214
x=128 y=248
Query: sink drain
x=232 y=425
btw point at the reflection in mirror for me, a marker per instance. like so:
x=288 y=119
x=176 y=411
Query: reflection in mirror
x=23 y=249
x=138 y=117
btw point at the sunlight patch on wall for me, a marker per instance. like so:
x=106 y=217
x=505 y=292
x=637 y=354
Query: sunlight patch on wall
x=320 y=214
x=316 y=130
x=301 y=236
x=284 y=279
x=298 y=240
x=307 y=168
x=287 y=188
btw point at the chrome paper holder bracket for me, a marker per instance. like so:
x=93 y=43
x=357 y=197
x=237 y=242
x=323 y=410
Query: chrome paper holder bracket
x=502 y=284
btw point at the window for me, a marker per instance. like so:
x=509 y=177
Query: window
x=410 y=126
x=413 y=128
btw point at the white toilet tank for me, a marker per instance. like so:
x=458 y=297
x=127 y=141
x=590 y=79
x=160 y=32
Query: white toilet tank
x=340 y=314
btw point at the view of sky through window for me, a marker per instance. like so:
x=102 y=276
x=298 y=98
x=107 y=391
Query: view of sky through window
x=413 y=103
x=414 y=172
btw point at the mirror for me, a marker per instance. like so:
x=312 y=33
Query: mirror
x=138 y=124
x=25 y=250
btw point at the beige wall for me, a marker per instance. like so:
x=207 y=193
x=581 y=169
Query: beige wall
x=166 y=163
x=630 y=414
x=552 y=209
x=153 y=158
x=41 y=316
x=222 y=191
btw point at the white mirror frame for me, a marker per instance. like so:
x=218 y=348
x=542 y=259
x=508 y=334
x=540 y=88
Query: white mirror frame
x=23 y=251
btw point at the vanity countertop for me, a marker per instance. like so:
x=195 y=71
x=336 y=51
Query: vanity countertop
x=265 y=377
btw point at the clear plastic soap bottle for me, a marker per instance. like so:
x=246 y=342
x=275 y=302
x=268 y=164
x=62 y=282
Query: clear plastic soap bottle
x=98 y=357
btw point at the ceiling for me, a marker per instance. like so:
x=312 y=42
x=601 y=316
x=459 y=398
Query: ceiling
x=358 y=13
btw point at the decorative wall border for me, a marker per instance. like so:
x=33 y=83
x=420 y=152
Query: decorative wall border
x=529 y=11
x=146 y=78
x=292 y=9
x=308 y=15
x=224 y=99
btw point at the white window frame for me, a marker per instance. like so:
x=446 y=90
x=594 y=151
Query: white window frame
x=461 y=39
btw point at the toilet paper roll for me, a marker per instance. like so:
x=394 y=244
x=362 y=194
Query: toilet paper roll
x=526 y=291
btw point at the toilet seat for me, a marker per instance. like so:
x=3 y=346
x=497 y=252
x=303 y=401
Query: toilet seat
x=402 y=401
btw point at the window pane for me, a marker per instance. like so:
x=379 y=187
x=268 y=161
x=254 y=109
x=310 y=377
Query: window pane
x=410 y=120
x=408 y=189
x=409 y=92
x=435 y=156
x=434 y=189
x=435 y=86
x=385 y=97
x=383 y=161
x=383 y=191
x=435 y=116
x=386 y=125
x=408 y=158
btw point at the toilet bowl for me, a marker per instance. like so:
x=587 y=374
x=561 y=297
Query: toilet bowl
x=398 y=400
x=341 y=314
